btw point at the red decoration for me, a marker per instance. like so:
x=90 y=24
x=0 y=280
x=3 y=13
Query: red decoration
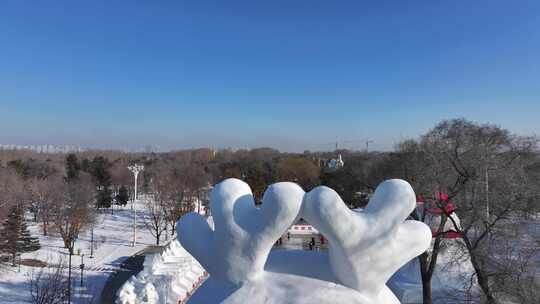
x=451 y=234
x=449 y=208
x=434 y=210
x=441 y=196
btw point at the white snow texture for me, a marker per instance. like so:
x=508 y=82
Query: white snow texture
x=365 y=247
x=166 y=278
x=237 y=249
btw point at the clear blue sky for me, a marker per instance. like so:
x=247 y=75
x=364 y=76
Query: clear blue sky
x=292 y=74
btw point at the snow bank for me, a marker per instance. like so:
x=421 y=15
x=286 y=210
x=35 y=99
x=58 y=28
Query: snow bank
x=168 y=277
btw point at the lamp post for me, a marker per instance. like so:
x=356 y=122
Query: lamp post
x=82 y=268
x=135 y=169
x=69 y=274
x=369 y=141
x=92 y=242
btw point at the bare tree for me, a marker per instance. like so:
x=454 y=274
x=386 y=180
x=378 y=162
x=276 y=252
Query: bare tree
x=11 y=188
x=176 y=189
x=45 y=194
x=48 y=285
x=299 y=170
x=155 y=219
x=75 y=211
x=481 y=168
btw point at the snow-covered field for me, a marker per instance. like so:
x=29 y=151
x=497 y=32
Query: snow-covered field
x=113 y=235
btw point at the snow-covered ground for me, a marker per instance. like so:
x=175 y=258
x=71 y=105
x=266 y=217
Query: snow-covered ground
x=113 y=234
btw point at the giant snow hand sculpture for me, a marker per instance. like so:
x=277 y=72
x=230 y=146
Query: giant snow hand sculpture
x=236 y=249
x=367 y=247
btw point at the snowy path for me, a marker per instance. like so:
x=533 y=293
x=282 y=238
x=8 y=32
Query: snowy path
x=112 y=242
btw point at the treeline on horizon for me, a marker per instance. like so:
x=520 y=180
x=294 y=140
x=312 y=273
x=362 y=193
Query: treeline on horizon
x=260 y=167
x=485 y=174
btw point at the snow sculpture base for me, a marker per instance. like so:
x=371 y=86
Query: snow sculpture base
x=295 y=276
x=365 y=247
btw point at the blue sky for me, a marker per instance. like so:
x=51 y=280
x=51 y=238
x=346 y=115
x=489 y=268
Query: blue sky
x=290 y=74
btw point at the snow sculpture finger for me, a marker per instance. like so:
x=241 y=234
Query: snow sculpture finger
x=366 y=247
x=236 y=249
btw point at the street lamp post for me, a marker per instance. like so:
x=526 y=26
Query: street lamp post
x=367 y=145
x=82 y=268
x=135 y=169
x=487 y=195
x=92 y=242
x=69 y=274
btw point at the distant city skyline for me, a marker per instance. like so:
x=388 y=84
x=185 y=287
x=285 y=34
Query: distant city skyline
x=49 y=148
x=291 y=75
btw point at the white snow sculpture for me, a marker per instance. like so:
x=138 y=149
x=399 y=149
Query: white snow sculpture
x=236 y=250
x=367 y=247
x=149 y=294
x=126 y=295
x=165 y=278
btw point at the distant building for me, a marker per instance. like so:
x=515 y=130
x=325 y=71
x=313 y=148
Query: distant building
x=336 y=163
x=42 y=148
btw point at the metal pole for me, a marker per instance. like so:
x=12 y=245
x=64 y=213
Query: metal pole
x=135 y=169
x=367 y=145
x=487 y=195
x=82 y=268
x=136 y=174
x=69 y=277
x=198 y=202
x=92 y=242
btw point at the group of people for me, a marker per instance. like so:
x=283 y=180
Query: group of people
x=311 y=245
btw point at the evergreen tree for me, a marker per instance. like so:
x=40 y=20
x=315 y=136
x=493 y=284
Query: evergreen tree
x=122 y=197
x=104 y=198
x=16 y=238
x=72 y=167
x=102 y=177
x=100 y=171
x=86 y=165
